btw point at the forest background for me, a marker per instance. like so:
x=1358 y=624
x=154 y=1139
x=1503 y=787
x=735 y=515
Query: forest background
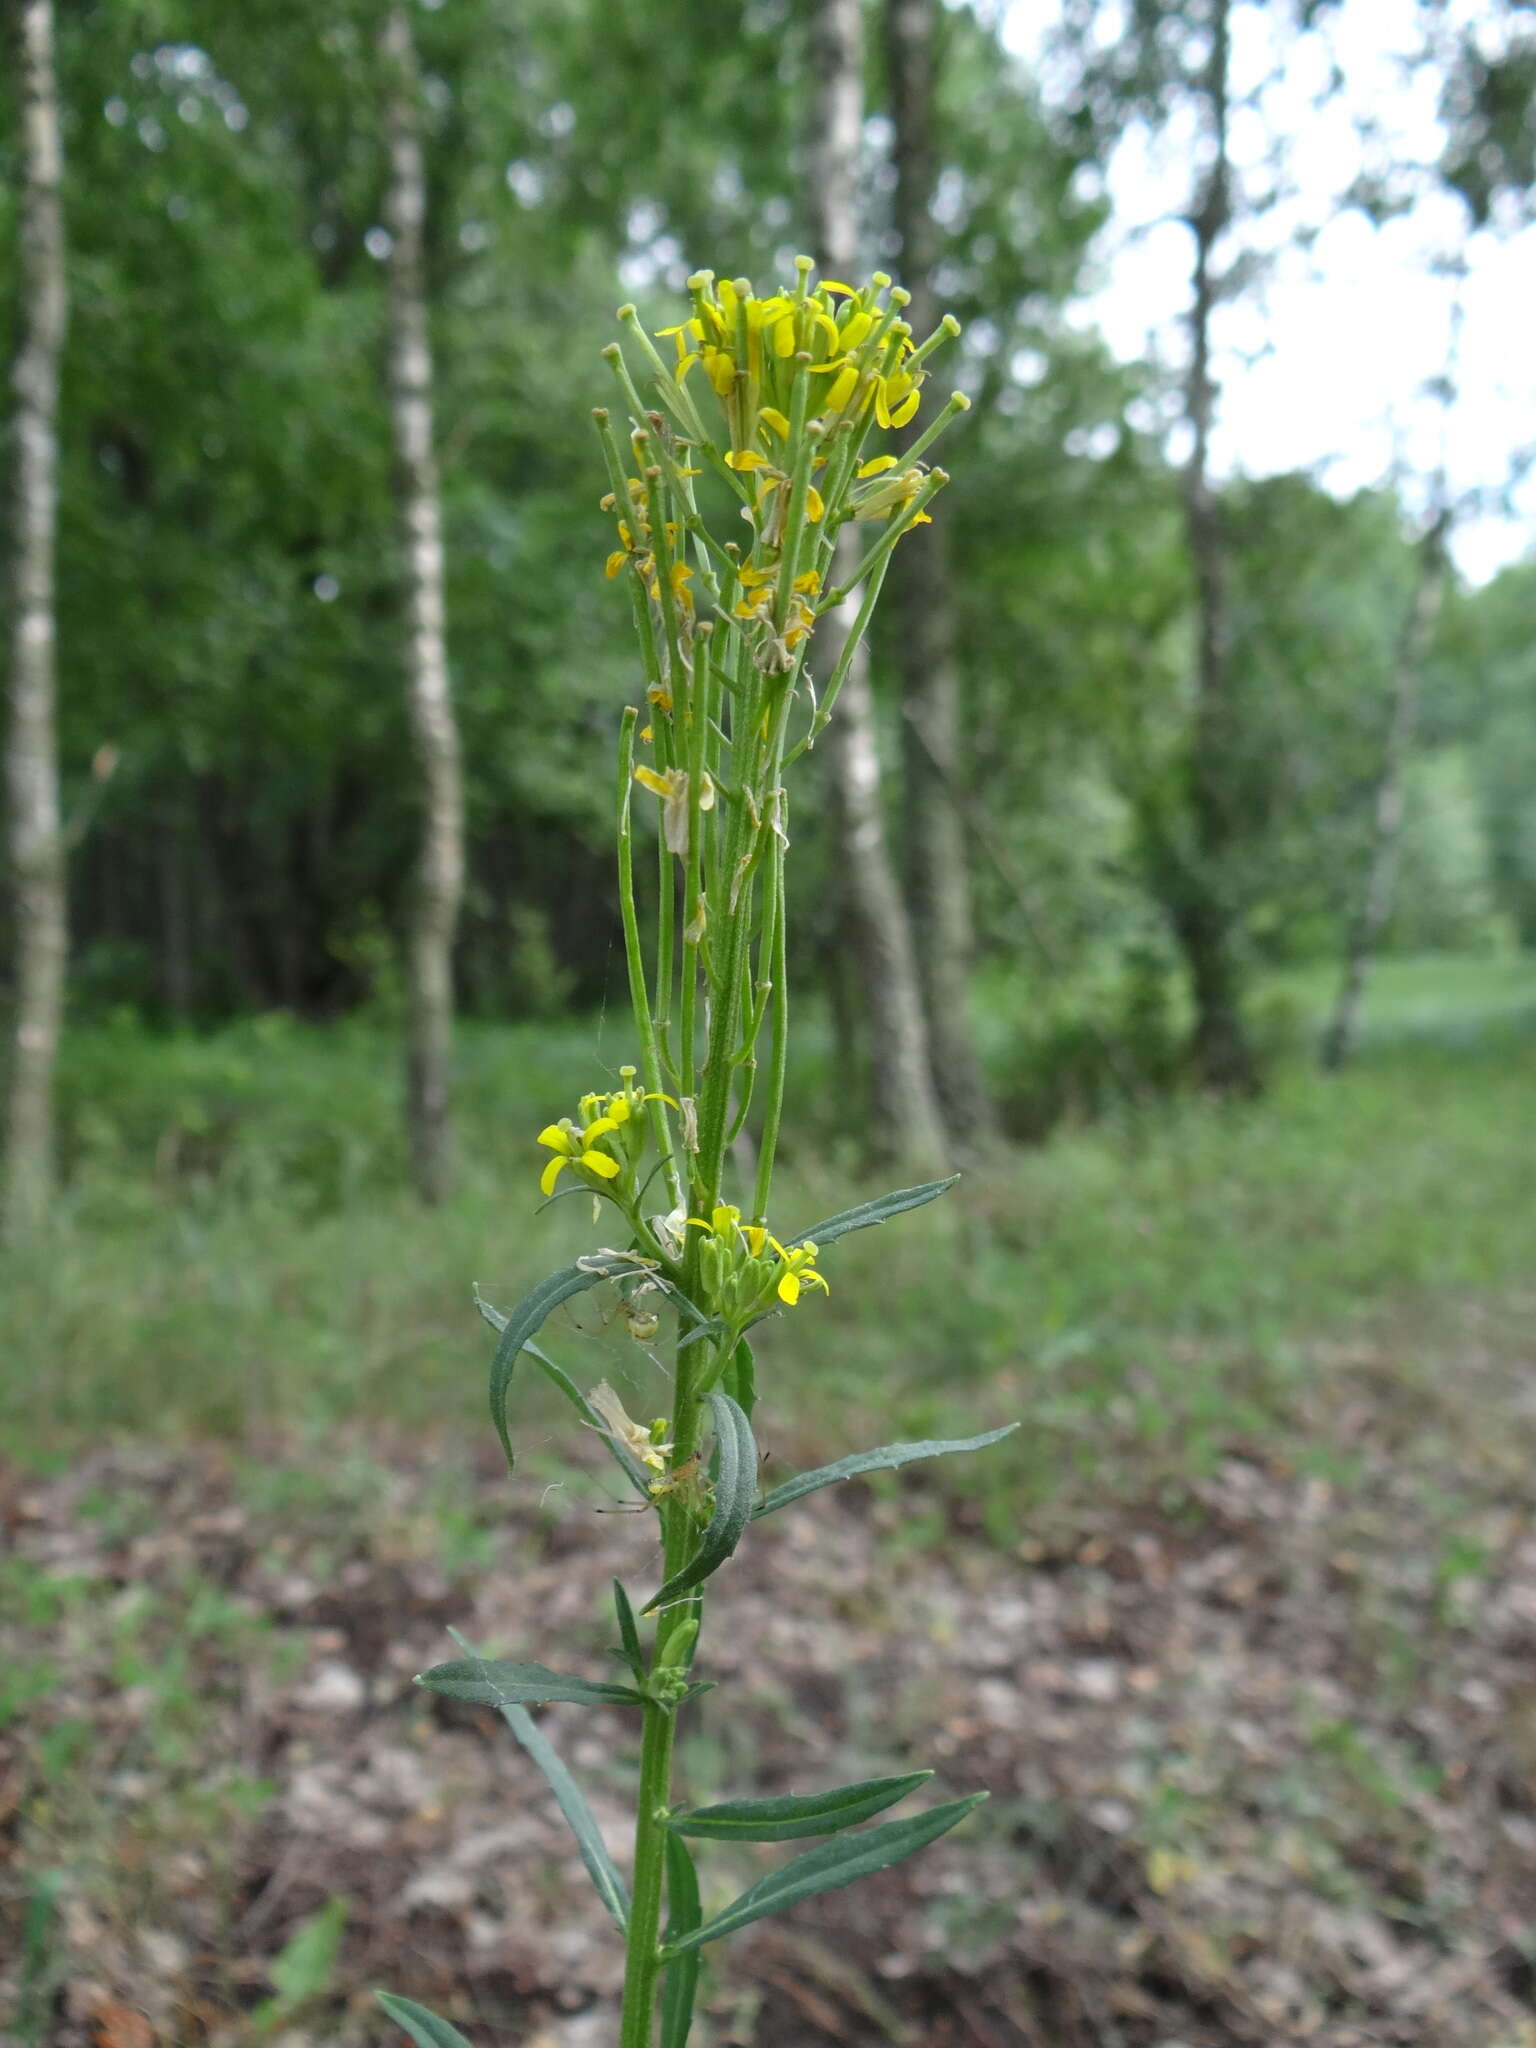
x=1175 y=873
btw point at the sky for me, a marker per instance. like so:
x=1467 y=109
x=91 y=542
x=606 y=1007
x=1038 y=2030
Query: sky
x=1325 y=359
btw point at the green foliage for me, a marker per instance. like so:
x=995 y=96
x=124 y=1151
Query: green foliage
x=889 y=1458
x=829 y=1868
x=490 y=1682
x=302 y=1970
x=530 y=1316
x=866 y=1214
x=424 y=2027
x=791 y=1817
x=734 y=1480
x=685 y=1914
x=1485 y=676
x=610 y=1886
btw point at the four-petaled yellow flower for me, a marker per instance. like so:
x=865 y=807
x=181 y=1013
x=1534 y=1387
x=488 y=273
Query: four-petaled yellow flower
x=576 y=1145
x=588 y=1142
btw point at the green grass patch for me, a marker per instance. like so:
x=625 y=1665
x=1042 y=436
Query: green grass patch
x=238 y=1254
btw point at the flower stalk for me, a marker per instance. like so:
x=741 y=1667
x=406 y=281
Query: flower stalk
x=732 y=472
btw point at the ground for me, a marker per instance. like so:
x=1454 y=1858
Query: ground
x=1237 y=1631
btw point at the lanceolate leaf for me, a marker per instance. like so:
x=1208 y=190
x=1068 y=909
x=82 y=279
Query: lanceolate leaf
x=424 y=2028
x=789 y=1818
x=683 y=1915
x=877 y=1211
x=735 y=1484
x=600 y=1865
x=529 y=1317
x=886 y=1459
x=826 y=1869
x=491 y=1684
x=740 y=1378
x=629 y=1634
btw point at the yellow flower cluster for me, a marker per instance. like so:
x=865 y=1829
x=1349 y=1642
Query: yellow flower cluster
x=603 y=1141
x=749 y=349
x=739 y=1275
x=637 y=545
x=759 y=588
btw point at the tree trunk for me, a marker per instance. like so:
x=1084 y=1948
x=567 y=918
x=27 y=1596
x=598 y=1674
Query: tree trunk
x=1203 y=917
x=938 y=880
x=440 y=873
x=176 y=977
x=909 y=1125
x=1375 y=905
x=32 y=766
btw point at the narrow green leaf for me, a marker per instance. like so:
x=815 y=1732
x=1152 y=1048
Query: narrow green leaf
x=886 y=1459
x=702 y=1332
x=424 y=2028
x=629 y=1634
x=735 y=1484
x=494 y=1684
x=877 y=1211
x=600 y=1865
x=530 y=1316
x=740 y=1378
x=684 y=1912
x=791 y=1817
x=826 y=1869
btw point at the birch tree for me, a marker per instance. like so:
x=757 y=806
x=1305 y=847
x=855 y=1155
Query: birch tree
x=1376 y=897
x=1172 y=70
x=938 y=881
x=32 y=770
x=911 y=1123
x=440 y=868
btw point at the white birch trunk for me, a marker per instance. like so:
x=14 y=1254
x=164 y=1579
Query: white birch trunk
x=910 y=1125
x=938 y=879
x=440 y=870
x=32 y=769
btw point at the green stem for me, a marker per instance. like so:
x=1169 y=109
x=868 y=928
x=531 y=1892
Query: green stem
x=880 y=553
x=650 y=1055
x=851 y=645
x=643 y=1964
x=778 y=1061
x=642 y=1969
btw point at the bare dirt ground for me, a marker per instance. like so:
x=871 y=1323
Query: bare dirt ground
x=1261 y=1753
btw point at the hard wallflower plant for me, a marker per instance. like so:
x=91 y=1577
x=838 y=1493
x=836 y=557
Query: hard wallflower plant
x=750 y=434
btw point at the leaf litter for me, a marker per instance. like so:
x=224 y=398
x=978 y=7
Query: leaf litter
x=1261 y=1750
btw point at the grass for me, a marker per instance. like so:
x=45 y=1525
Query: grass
x=1325 y=1294
x=238 y=1256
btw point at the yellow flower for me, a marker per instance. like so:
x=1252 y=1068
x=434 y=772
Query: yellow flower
x=738 y=1242
x=576 y=1145
x=799 y=1272
x=896 y=399
x=726 y=1226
